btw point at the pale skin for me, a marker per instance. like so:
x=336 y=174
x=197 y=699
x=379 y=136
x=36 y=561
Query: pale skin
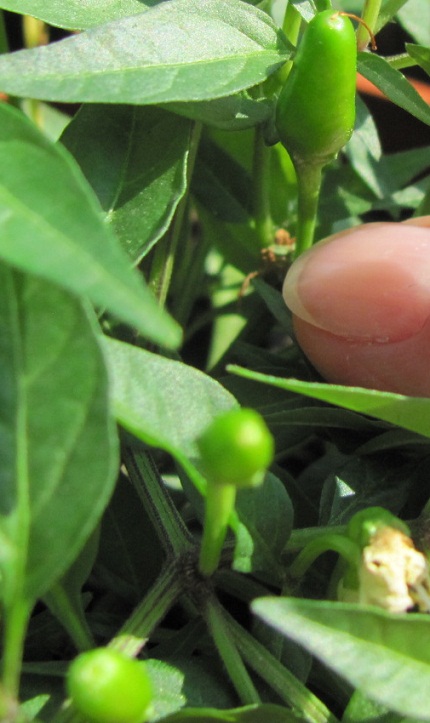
x=361 y=306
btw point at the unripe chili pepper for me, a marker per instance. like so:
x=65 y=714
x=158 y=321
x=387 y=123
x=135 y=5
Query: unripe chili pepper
x=316 y=108
x=235 y=451
x=315 y=112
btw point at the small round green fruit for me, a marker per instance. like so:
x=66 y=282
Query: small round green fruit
x=106 y=686
x=237 y=448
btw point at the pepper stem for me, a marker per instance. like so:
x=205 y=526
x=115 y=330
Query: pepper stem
x=220 y=500
x=341 y=544
x=309 y=178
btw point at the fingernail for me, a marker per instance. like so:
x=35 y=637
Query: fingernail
x=368 y=283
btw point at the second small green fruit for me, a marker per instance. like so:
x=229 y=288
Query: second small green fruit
x=237 y=448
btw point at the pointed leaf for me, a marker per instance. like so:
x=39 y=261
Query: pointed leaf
x=58 y=445
x=394 y=85
x=135 y=159
x=75 y=14
x=164 y=402
x=412 y=413
x=182 y=50
x=51 y=225
x=385 y=655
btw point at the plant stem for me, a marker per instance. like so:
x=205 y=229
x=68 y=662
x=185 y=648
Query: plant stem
x=261 y=190
x=279 y=678
x=337 y=543
x=370 y=17
x=220 y=501
x=309 y=179
x=239 y=676
x=163 y=594
x=70 y=617
x=300 y=538
x=403 y=60
x=35 y=33
x=291 y=27
x=158 y=504
x=164 y=253
x=4 y=44
x=15 y=623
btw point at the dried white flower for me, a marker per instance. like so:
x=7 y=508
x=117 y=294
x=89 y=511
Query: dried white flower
x=393 y=574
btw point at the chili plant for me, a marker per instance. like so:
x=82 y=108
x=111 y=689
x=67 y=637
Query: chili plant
x=163 y=163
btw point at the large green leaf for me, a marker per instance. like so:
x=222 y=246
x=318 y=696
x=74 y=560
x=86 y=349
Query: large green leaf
x=75 y=14
x=385 y=655
x=183 y=50
x=58 y=446
x=412 y=413
x=164 y=402
x=394 y=85
x=135 y=159
x=51 y=225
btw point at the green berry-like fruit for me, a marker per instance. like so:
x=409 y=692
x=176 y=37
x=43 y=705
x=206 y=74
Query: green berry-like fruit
x=237 y=448
x=106 y=686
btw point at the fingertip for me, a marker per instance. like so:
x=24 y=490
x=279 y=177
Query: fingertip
x=369 y=283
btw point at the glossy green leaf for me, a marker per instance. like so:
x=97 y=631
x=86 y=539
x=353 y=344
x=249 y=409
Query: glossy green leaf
x=394 y=85
x=173 y=52
x=250 y=714
x=412 y=413
x=135 y=159
x=54 y=415
x=51 y=225
x=385 y=655
x=75 y=14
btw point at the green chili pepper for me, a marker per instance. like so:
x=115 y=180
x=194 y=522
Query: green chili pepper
x=316 y=108
x=235 y=450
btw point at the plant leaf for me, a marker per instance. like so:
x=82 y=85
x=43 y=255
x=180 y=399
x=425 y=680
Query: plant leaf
x=167 y=682
x=183 y=50
x=385 y=655
x=394 y=85
x=135 y=159
x=267 y=514
x=51 y=226
x=75 y=14
x=232 y=113
x=415 y=19
x=420 y=54
x=165 y=403
x=412 y=413
x=54 y=415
